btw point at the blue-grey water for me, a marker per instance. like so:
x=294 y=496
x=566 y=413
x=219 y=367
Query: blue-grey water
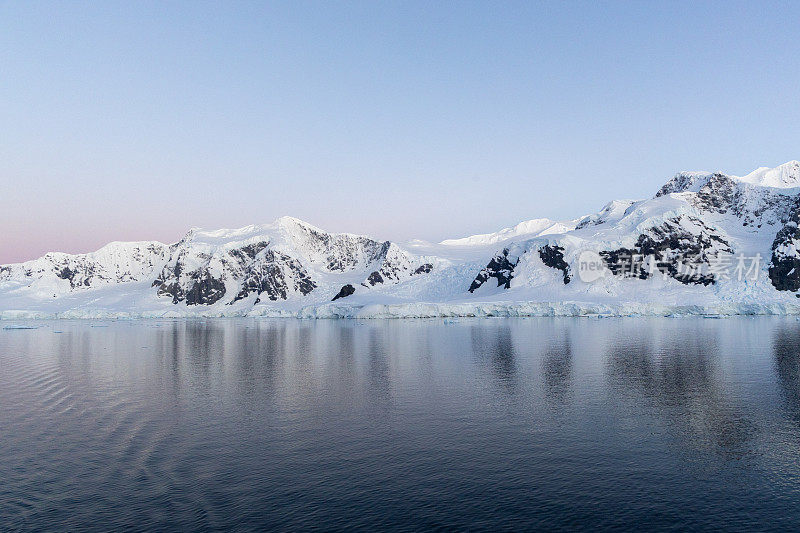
x=475 y=424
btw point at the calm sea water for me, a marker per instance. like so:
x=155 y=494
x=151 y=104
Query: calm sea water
x=401 y=425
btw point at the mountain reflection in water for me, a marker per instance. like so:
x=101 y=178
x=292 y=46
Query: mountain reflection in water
x=406 y=424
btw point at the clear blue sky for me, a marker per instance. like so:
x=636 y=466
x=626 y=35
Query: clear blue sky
x=138 y=120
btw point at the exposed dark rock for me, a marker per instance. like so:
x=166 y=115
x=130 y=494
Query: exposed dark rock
x=625 y=262
x=680 y=183
x=784 y=266
x=665 y=248
x=255 y=267
x=500 y=268
x=375 y=278
x=273 y=275
x=66 y=273
x=203 y=290
x=206 y=290
x=170 y=289
x=248 y=252
x=394 y=267
x=342 y=252
x=77 y=277
x=424 y=269
x=345 y=291
x=784 y=273
x=198 y=287
x=118 y=264
x=722 y=194
x=553 y=256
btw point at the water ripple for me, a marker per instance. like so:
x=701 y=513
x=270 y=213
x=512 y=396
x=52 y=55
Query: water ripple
x=243 y=424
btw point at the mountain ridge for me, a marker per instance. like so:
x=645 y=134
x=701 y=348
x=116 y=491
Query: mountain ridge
x=657 y=255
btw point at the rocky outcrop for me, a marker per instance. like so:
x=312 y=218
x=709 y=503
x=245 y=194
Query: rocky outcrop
x=423 y=269
x=784 y=266
x=721 y=194
x=275 y=276
x=334 y=252
x=682 y=248
x=344 y=292
x=205 y=290
x=198 y=275
x=553 y=256
x=753 y=204
x=114 y=263
x=501 y=268
x=274 y=263
x=196 y=287
x=395 y=266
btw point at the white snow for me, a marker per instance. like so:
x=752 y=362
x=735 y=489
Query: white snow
x=784 y=176
x=529 y=228
x=117 y=281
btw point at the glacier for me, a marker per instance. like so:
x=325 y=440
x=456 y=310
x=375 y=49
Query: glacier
x=662 y=255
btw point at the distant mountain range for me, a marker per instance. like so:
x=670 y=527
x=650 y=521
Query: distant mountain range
x=705 y=243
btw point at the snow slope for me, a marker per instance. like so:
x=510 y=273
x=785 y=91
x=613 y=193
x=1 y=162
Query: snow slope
x=782 y=177
x=527 y=229
x=704 y=243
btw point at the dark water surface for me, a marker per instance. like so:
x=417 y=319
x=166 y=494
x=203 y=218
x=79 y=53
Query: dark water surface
x=480 y=424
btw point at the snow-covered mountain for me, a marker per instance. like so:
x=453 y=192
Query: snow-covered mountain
x=704 y=243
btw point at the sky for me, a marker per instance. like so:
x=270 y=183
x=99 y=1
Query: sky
x=139 y=120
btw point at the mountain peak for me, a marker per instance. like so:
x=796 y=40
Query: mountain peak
x=531 y=228
x=784 y=176
x=291 y=222
x=291 y=268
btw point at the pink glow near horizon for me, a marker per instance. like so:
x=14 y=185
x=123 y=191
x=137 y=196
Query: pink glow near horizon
x=396 y=120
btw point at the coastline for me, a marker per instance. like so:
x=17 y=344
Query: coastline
x=431 y=310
